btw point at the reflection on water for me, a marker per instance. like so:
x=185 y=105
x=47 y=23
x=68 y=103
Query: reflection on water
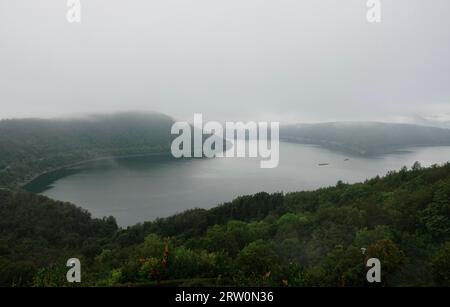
x=140 y=189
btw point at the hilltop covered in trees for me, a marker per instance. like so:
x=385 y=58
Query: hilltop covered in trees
x=298 y=239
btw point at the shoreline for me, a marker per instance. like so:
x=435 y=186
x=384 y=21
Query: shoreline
x=358 y=153
x=23 y=184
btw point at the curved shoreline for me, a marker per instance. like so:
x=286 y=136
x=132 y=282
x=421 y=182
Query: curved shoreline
x=23 y=184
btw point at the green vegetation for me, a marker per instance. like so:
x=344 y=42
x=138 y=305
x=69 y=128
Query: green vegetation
x=298 y=239
x=365 y=138
x=30 y=147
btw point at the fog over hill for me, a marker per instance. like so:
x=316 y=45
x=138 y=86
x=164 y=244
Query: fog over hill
x=29 y=147
x=365 y=138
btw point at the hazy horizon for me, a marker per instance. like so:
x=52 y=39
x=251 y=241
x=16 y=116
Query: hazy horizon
x=289 y=61
x=88 y=116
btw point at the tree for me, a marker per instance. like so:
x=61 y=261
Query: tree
x=16 y=273
x=289 y=225
x=153 y=246
x=436 y=216
x=365 y=237
x=391 y=257
x=257 y=258
x=441 y=266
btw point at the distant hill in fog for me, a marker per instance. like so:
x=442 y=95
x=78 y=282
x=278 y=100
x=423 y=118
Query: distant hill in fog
x=365 y=138
x=31 y=146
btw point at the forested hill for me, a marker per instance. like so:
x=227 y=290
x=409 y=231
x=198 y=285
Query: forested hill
x=31 y=146
x=298 y=239
x=365 y=138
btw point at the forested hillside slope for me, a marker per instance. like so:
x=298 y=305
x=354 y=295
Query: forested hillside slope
x=298 y=239
x=29 y=147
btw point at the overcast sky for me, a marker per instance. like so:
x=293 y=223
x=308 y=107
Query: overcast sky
x=288 y=60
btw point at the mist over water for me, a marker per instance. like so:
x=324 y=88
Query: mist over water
x=141 y=189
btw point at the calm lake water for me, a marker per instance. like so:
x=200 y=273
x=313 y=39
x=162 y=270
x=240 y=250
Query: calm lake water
x=140 y=189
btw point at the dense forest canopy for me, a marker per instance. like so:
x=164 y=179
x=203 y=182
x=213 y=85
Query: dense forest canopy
x=296 y=239
x=365 y=138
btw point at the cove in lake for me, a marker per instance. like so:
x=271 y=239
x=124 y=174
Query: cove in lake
x=141 y=189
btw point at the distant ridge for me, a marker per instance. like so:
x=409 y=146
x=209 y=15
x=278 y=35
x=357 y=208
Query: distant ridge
x=365 y=138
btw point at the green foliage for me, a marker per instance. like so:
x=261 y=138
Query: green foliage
x=257 y=258
x=153 y=246
x=365 y=237
x=299 y=239
x=392 y=258
x=51 y=276
x=441 y=266
x=16 y=273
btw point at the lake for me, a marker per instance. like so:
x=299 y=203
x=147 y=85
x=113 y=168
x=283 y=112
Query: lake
x=143 y=188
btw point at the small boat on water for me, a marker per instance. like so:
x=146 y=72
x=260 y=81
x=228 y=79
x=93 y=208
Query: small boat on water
x=324 y=164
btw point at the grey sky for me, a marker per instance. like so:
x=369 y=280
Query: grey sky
x=291 y=60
